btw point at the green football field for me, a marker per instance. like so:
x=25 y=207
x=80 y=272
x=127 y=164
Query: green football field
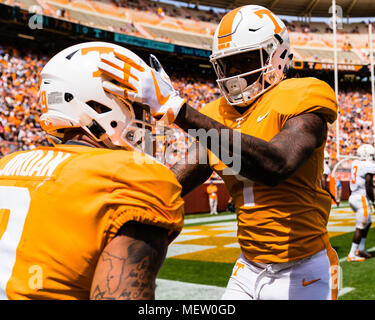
x=200 y=261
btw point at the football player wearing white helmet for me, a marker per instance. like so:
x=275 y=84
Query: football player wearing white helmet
x=282 y=210
x=361 y=200
x=87 y=218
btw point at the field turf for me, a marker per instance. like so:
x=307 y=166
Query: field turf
x=358 y=278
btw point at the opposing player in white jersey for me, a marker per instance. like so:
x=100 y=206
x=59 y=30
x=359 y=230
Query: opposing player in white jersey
x=362 y=195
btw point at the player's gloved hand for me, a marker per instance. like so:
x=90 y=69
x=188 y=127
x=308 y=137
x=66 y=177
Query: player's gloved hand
x=140 y=83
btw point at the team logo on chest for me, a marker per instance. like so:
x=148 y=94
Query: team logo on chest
x=239 y=120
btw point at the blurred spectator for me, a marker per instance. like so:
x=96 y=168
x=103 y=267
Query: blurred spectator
x=19 y=85
x=230 y=205
x=160 y=12
x=212 y=197
x=338 y=192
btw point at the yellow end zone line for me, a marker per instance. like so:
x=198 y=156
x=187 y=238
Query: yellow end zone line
x=215 y=241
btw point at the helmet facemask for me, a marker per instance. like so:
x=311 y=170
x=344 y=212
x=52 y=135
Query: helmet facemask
x=140 y=134
x=241 y=88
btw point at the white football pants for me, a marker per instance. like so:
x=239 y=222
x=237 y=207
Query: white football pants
x=213 y=205
x=313 y=278
x=362 y=208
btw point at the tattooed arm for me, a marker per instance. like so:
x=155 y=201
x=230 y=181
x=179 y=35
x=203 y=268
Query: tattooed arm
x=267 y=163
x=129 y=264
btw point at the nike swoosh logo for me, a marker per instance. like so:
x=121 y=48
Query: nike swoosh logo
x=307 y=283
x=254 y=30
x=161 y=99
x=261 y=118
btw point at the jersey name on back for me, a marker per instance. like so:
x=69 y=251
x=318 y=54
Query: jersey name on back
x=38 y=163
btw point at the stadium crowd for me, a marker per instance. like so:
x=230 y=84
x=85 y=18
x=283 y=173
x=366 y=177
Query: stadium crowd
x=19 y=107
x=355 y=118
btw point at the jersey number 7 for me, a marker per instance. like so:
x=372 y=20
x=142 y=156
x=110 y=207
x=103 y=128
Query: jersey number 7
x=14 y=206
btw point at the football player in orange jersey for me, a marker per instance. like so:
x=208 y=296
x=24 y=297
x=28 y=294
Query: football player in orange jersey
x=91 y=217
x=282 y=210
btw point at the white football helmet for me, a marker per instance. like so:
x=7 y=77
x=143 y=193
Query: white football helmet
x=366 y=151
x=72 y=96
x=255 y=40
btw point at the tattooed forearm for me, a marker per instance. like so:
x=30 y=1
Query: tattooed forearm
x=128 y=267
x=265 y=162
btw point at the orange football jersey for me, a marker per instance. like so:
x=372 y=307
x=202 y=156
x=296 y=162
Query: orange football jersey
x=286 y=222
x=60 y=207
x=211 y=190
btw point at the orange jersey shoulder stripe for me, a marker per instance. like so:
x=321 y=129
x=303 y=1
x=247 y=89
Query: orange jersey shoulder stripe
x=226 y=27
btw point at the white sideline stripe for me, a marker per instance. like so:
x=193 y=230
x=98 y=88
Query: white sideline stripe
x=187 y=237
x=340 y=229
x=177 y=290
x=345 y=291
x=331 y=223
x=178 y=249
x=232 y=245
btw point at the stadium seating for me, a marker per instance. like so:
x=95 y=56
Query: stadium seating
x=327 y=55
x=190 y=26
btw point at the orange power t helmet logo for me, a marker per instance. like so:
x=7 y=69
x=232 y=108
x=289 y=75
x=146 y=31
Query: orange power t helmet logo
x=227 y=29
x=262 y=12
x=98 y=49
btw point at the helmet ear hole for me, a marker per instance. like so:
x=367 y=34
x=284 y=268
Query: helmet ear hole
x=68 y=97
